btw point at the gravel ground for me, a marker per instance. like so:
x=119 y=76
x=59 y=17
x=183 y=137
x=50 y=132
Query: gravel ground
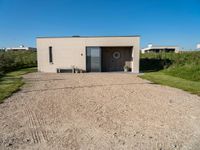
x=99 y=111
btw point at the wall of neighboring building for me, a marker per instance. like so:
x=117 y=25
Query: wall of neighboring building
x=68 y=52
x=158 y=49
x=198 y=46
x=21 y=49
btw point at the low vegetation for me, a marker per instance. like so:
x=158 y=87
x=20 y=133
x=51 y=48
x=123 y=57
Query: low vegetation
x=11 y=82
x=164 y=79
x=13 y=65
x=14 y=60
x=180 y=70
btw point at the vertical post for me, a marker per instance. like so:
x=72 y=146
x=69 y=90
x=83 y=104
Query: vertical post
x=136 y=57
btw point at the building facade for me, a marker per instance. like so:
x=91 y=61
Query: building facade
x=92 y=54
x=157 y=49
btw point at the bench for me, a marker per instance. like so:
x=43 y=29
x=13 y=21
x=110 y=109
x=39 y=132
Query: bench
x=65 y=70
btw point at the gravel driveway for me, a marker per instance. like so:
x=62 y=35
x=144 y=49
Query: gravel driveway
x=99 y=111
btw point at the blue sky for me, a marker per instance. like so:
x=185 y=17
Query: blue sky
x=161 y=22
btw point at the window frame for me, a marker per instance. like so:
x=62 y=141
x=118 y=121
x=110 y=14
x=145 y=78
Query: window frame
x=50 y=54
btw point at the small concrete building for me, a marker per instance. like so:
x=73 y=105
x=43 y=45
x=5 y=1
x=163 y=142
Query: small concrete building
x=157 y=49
x=91 y=54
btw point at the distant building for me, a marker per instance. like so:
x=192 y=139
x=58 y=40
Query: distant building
x=21 y=48
x=156 y=49
x=198 y=46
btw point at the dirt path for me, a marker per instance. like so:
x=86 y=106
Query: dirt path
x=99 y=111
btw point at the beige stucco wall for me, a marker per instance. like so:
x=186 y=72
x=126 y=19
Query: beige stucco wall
x=67 y=51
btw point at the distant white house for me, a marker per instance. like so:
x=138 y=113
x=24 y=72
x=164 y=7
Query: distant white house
x=20 y=48
x=157 y=49
x=198 y=46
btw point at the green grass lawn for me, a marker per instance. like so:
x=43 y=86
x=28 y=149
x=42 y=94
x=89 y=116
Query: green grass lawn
x=165 y=79
x=11 y=82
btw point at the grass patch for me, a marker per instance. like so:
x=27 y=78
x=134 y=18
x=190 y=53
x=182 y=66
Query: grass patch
x=166 y=79
x=179 y=70
x=188 y=72
x=11 y=82
x=183 y=65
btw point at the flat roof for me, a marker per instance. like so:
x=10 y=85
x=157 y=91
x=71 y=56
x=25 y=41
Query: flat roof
x=76 y=36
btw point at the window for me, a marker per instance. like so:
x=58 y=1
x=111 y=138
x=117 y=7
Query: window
x=93 y=59
x=50 y=55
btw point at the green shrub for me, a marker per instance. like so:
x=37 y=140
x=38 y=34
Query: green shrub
x=183 y=65
x=14 y=60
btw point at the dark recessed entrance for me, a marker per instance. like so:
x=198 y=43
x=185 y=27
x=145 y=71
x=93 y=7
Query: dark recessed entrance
x=107 y=59
x=114 y=58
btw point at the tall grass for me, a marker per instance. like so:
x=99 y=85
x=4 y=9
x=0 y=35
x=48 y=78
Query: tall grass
x=183 y=65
